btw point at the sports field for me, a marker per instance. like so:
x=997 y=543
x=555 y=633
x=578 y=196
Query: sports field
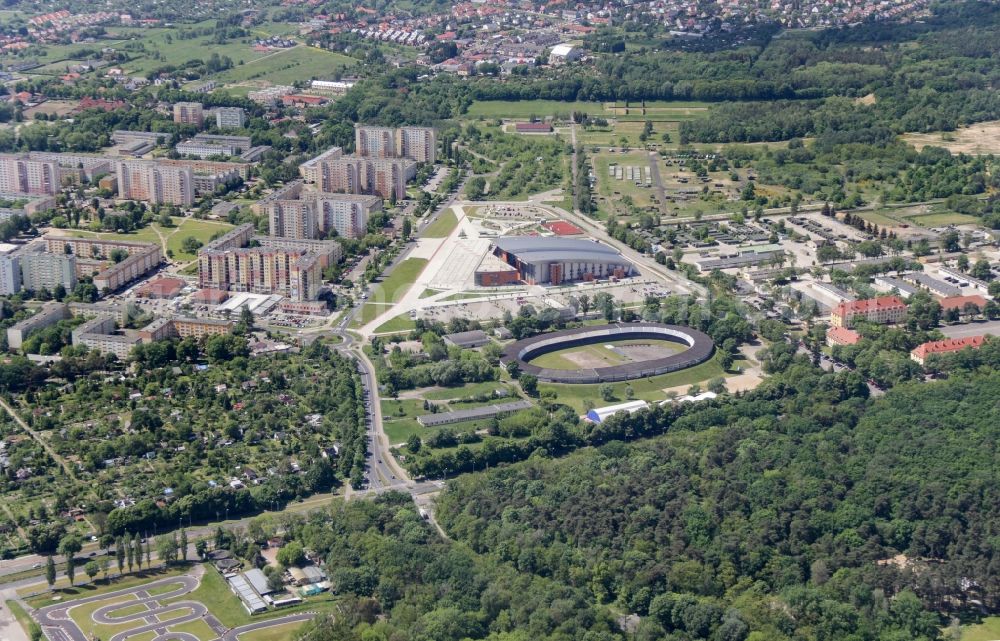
x=607 y=354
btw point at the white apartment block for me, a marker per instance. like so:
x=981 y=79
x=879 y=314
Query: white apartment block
x=155 y=183
x=10 y=274
x=230 y=117
x=19 y=174
x=43 y=270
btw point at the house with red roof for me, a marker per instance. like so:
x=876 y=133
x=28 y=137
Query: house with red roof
x=842 y=336
x=921 y=352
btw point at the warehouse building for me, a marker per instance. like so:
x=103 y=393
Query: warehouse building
x=554 y=260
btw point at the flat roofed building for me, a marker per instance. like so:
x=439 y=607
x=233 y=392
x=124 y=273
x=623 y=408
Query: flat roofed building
x=40 y=270
x=98 y=334
x=298 y=211
x=417 y=143
x=21 y=175
x=10 y=274
x=189 y=113
x=230 y=117
x=155 y=182
x=375 y=142
x=884 y=309
x=207 y=145
x=48 y=314
x=474 y=414
x=555 y=260
x=474 y=338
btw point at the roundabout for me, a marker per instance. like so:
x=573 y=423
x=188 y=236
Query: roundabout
x=588 y=355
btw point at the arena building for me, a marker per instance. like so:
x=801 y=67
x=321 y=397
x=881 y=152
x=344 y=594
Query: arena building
x=699 y=349
x=555 y=260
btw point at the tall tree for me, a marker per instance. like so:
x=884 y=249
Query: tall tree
x=50 y=571
x=120 y=554
x=183 y=548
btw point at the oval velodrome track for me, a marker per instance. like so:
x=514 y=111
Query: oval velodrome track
x=699 y=349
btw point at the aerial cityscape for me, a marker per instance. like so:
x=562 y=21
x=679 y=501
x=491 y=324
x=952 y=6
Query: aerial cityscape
x=447 y=321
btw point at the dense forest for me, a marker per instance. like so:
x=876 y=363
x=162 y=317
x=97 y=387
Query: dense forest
x=804 y=510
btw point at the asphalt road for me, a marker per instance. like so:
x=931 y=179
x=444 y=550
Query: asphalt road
x=980 y=328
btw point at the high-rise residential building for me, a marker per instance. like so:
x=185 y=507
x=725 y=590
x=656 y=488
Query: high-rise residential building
x=334 y=172
x=313 y=170
x=156 y=183
x=20 y=174
x=287 y=267
x=417 y=143
x=40 y=270
x=230 y=117
x=189 y=113
x=299 y=211
x=375 y=142
x=10 y=274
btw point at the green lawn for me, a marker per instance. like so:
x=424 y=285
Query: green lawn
x=390 y=290
x=197 y=627
x=287 y=66
x=215 y=595
x=943 y=219
x=613 y=188
x=277 y=633
x=650 y=389
x=563 y=358
x=81 y=615
x=988 y=630
x=427 y=293
x=442 y=227
x=401 y=323
x=880 y=219
x=465 y=391
x=128 y=609
x=203 y=230
x=529 y=108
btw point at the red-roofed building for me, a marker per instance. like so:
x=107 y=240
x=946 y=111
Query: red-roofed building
x=884 y=309
x=447 y=35
x=161 y=288
x=959 y=302
x=562 y=228
x=842 y=336
x=210 y=296
x=302 y=100
x=921 y=352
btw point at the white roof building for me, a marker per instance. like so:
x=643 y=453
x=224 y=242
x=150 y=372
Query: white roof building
x=598 y=414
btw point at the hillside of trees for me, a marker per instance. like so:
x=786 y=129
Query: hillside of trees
x=804 y=510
